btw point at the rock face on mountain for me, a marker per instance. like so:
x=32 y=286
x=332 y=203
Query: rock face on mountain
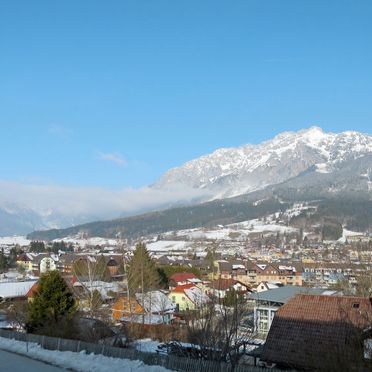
x=236 y=171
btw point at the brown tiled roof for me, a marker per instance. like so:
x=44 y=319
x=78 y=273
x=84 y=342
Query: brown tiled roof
x=222 y=284
x=313 y=330
x=225 y=266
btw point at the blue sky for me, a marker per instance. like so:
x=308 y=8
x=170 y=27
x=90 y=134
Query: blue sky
x=113 y=93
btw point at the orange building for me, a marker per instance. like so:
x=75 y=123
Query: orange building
x=124 y=307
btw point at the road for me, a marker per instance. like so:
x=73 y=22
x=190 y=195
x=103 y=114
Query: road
x=17 y=363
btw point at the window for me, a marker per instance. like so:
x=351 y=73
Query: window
x=263 y=320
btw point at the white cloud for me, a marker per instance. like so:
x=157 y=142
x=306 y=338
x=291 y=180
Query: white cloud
x=94 y=201
x=113 y=157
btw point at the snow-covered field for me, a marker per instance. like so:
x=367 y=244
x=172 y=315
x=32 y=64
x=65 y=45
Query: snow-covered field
x=346 y=233
x=93 y=241
x=13 y=240
x=190 y=238
x=167 y=245
x=77 y=361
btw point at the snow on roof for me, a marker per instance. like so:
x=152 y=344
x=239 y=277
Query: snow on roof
x=238 y=267
x=102 y=287
x=194 y=280
x=290 y=268
x=155 y=302
x=196 y=295
x=145 y=319
x=15 y=289
x=272 y=285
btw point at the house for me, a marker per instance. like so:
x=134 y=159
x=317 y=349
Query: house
x=67 y=261
x=184 y=278
x=288 y=274
x=151 y=308
x=125 y=307
x=107 y=290
x=25 y=261
x=15 y=290
x=318 y=332
x=188 y=297
x=267 y=303
x=266 y=286
x=327 y=272
x=252 y=273
x=235 y=269
x=157 y=307
x=220 y=287
x=113 y=266
x=44 y=262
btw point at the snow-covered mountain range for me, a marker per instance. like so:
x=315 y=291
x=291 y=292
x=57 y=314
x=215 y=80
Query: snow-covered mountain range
x=19 y=219
x=234 y=171
x=309 y=161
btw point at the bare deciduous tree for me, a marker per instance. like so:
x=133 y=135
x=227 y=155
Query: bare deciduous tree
x=217 y=330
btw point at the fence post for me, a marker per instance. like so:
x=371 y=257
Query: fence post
x=58 y=343
x=26 y=342
x=42 y=342
x=78 y=346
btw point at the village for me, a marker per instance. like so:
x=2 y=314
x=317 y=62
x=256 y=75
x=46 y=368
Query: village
x=170 y=294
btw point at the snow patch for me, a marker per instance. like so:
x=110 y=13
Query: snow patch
x=81 y=362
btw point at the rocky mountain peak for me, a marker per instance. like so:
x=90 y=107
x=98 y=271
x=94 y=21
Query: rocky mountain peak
x=234 y=171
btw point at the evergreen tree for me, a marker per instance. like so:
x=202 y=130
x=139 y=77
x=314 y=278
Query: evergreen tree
x=13 y=254
x=53 y=303
x=4 y=264
x=37 y=247
x=142 y=273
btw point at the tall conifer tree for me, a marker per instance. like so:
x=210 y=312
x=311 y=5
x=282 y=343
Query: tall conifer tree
x=142 y=273
x=53 y=302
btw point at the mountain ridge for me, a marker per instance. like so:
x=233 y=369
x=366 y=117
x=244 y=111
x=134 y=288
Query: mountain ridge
x=307 y=162
x=232 y=171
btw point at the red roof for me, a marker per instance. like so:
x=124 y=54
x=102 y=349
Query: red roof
x=315 y=331
x=23 y=257
x=182 y=277
x=181 y=288
x=31 y=292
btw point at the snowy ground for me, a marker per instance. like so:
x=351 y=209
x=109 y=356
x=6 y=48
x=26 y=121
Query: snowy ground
x=346 y=233
x=166 y=245
x=17 y=363
x=76 y=361
x=147 y=345
x=13 y=240
x=223 y=232
x=93 y=241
